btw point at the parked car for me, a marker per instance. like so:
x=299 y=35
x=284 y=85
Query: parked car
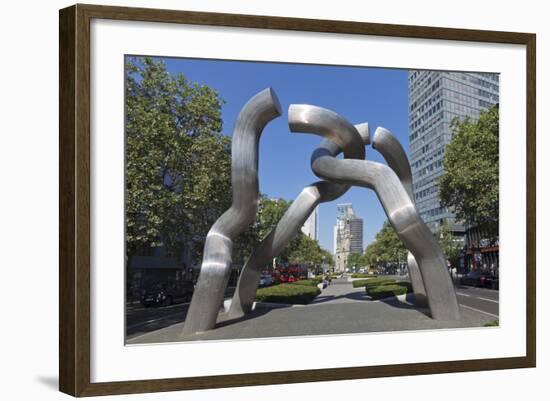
x=265 y=280
x=167 y=293
x=478 y=278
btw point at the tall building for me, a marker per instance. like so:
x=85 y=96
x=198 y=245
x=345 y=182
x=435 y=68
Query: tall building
x=356 y=231
x=348 y=235
x=311 y=226
x=435 y=98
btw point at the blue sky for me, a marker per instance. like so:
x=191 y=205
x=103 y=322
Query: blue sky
x=374 y=95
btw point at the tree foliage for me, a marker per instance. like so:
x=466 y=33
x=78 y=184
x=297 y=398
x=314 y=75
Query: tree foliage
x=386 y=247
x=178 y=164
x=449 y=244
x=356 y=259
x=270 y=211
x=469 y=185
x=301 y=250
x=307 y=251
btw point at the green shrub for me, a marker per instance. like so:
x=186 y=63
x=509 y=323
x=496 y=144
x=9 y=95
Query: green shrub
x=371 y=282
x=362 y=275
x=491 y=324
x=312 y=281
x=380 y=281
x=358 y=283
x=388 y=290
x=288 y=293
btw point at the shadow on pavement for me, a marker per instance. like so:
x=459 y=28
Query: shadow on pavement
x=143 y=320
x=252 y=315
x=410 y=298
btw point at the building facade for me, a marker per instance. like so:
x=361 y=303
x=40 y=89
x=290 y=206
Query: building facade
x=348 y=235
x=311 y=226
x=435 y=99
x=481 y=252
x=356 y=231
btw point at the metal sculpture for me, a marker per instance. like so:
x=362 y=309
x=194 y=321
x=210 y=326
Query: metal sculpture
x=393 y=186
x=298 y=212
x=216 y=264
x=397 y=204
x=394 y=154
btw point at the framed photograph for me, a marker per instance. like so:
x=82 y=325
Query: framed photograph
x=211 y=234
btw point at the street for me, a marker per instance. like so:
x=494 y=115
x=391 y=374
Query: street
x=141 y=320
x=479 y=299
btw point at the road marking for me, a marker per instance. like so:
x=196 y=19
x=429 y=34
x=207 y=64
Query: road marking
x=464 y=295
x=478 y=310
x=488 y=299
x=148 y=322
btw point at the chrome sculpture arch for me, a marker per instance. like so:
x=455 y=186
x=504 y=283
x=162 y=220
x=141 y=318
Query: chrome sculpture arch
x=393 y=186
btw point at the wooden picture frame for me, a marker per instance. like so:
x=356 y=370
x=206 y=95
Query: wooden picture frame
x=74 y=204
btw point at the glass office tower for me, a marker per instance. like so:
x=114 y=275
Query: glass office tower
x=435 y=98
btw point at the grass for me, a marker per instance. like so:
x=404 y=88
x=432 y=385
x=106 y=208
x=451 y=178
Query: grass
x=363 y=275
x=494 y=323
x=288 y=293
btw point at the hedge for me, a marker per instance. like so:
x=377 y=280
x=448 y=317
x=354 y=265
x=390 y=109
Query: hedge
x=363 y=275
x=371 y=282
x=312 y=281
x=288 y=293
x=391 y=289
x=385 y=291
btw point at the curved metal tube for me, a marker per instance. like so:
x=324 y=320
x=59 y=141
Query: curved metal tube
x=394 y=154
x=329 y=125
x=216 y=263
x=291 y=222
x=401 y=213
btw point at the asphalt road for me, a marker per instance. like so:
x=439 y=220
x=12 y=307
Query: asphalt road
x=141 y=320
x=479 y=299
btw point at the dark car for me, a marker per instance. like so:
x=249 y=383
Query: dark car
x=164 y=294
x=478 y=278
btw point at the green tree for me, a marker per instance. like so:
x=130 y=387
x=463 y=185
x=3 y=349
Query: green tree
x=355 y=259
x=270 y=211
x=326 y=257
x=387 y=247
x=469 y=185
x=306 y=251
x=449 y=244
x=178 y=164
